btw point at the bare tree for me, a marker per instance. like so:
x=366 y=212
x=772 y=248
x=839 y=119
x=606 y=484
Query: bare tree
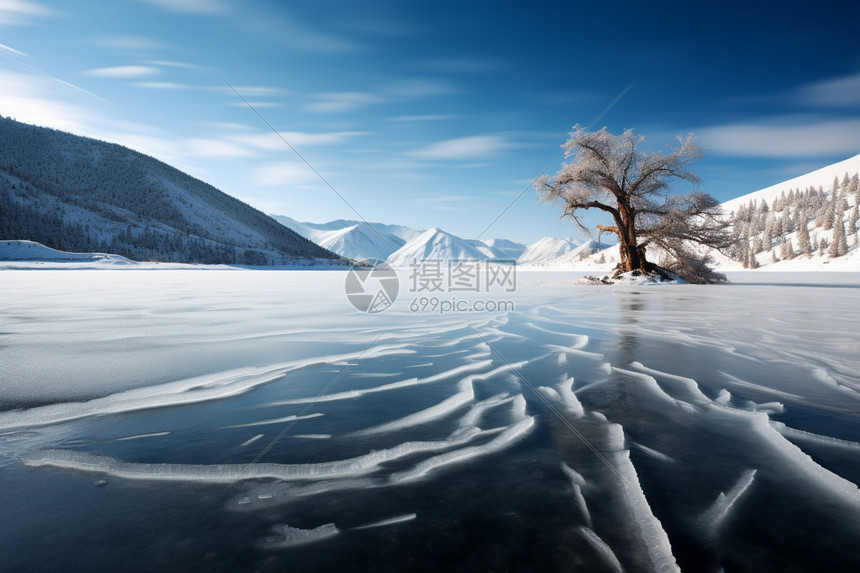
x=610 y=173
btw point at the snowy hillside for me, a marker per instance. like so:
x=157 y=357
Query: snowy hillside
x=31 y=251
x=506 y=249
x=82 y=195
x=819 y=178
x=434 y=244
x=545 y=250
x=806 y=223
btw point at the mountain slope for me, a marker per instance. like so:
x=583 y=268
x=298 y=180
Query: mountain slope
x=546 y=250
x=509 y=250
x=353 y=239
x=78 y=194
x=819 y=178
x=806 y=223
x=434 y=244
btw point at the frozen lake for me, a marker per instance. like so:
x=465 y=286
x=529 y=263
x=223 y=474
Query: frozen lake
x=231 y=420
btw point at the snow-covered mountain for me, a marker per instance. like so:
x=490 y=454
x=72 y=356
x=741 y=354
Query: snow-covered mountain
x=378 y=241
x=356 y=240
x=545 y=250
x=82 y=195
x=434 y=244
x=509 y=250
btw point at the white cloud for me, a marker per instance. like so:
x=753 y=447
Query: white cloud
x=834 y=93
x=174 y=64
x=123 y=72
x=340 y=102
x=254 y=91
x=436 y=117
x=191 y=6
x=784 y=138
x=130 y=43
x=16 y=12
x=283 y=173
x=255 y=104
x=162 y=85
x=271 y=141
x=419 y=88
x=202 y=147
x=465 y=148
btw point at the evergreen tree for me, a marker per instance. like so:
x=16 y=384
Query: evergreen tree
x=852 y=219
x=786 y=251
x=803 y=237
x=753 y=262
x=839 y=246
x=830 y=211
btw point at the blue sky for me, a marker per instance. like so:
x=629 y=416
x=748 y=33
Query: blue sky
x=435 y=113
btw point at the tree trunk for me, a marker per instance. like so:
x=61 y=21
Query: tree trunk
x=632 y=255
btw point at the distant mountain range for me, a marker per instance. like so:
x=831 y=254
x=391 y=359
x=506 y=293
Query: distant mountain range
x=400 y=246
x=82 y=195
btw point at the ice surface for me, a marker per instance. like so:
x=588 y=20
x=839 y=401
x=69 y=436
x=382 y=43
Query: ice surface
x=722 y=506
x=652 y=452
x=275 y=421
x=648 y=527
x=389 y=521
x=250 y=441
x=149 y=435
x=475 y=413
x=817 y=439
x=678 y=374
x=285 y=536
x=230 y=473
x=577 y=482
x=507 y=438
x=350 y=394
x=465 y=396
x=602 y=549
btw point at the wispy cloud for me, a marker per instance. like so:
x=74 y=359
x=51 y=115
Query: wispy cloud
x=341 y=102
x=253 y=91
x=418 y=88
x=463 y=65
x=465 y=148
x=162 y=85
x=283 y=173
x=120 y=72
x=842 y=92
x=217 y=148
x=431 y=117
x=402 y=90
x=785 y=137
x=442 y=198
x=191 y=6
x=277 y=25
x=17 y=12
x=173 y=64
x=271 y=142
x=130 y=43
